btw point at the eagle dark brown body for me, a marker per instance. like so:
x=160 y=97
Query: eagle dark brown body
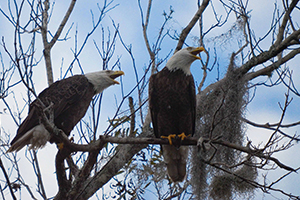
x=71 y=98
x=172 y=103
x=70 y=103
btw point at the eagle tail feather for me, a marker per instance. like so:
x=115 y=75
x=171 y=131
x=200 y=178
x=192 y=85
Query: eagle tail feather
x=37 y=137
x=21 y=142
x=175 y=159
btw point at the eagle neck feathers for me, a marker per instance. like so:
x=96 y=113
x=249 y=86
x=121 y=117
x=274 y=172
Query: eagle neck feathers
x=98 y=81
x=179 y=63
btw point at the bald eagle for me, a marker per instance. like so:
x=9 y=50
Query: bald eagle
x=71 y=98
x=172 y=102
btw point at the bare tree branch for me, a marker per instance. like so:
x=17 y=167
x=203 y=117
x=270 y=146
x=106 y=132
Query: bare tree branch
x=7 y=180
x=191 y=24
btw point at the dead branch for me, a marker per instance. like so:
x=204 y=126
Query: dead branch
x=184 y=33
x=272 y=52
x=193 y=141
x=9 y=185
x=263 y=187
x=132 y=117
x=145 y=27
x=269 y=127
x=48 y=45
x=285 y=20
x=120 y=158
x=62 y=24
x=204 y=67
x=41 y=187
x=64 y=185
x=267 y=71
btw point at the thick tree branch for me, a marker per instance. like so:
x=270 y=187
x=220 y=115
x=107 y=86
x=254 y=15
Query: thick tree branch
x=62 y=24
x=64 y=184
x=145 y=26
x=194 y=141
x=285 y=20
x=83 y=175
x=267 y=71
x=121 y=157
x=184 y=33
x=48 y=45
x=272 y=52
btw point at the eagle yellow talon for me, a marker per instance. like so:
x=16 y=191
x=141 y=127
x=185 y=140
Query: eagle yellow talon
x=182 y=136
x=60 y=146
x=169 y=137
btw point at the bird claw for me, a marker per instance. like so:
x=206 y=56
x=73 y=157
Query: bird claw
x=182 y=136
x=169 y=137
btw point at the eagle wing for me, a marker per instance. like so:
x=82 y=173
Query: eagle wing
x=63 y=94
x=70 y=92
x=192 y=94
x=153 y=104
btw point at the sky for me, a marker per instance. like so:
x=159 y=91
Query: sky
x=264 y=108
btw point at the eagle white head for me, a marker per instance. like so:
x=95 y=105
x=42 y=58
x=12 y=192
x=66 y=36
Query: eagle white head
x=103 y=79
x=183 y=59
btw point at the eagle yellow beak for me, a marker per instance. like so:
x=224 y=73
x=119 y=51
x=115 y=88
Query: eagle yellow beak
x=115 y=75
x=196 y=51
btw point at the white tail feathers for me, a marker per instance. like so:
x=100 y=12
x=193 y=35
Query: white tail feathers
x=37 y=137
x=176 y=159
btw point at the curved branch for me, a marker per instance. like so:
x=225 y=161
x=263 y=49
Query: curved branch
x=269 y=69
x=285 y=19
x=269 y=127
x=272 y=52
